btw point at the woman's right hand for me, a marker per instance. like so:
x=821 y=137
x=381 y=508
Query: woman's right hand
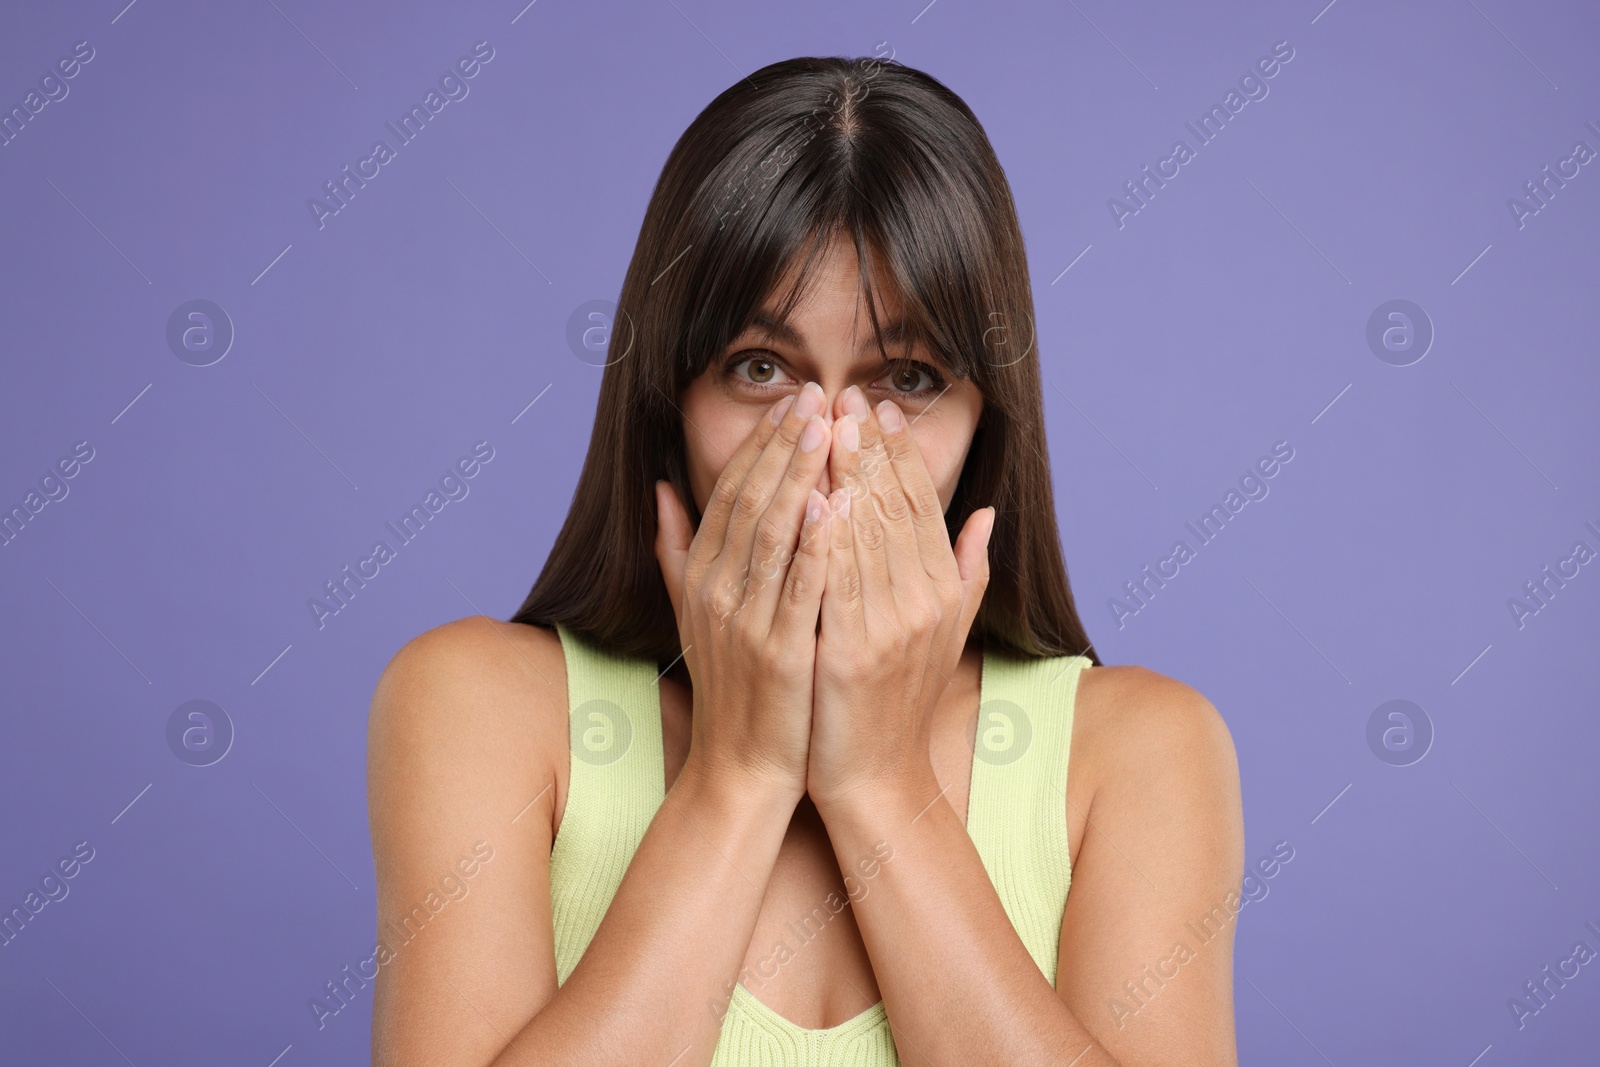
x=746 y=589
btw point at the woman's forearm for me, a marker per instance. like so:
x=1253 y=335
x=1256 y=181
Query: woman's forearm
x=655 y=980
x=941 y=944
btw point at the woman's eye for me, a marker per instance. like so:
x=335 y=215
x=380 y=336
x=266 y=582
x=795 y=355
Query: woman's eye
x=760 y=370
x=913 y=378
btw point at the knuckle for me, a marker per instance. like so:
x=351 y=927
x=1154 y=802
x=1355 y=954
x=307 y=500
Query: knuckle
x=849 y=586
x=789 y=429
x=751 y=498
x=892 y=503
x=870 y=536
x=917 y=611
x=812 y=542
x=725 y=492
x=770 y=539
x=769 y=659
x=924 y=500
x=798 y=473
x=799 y=586
x=772 y=565
x=725 y=599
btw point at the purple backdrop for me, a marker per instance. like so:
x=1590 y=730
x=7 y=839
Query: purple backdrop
x=216 y=398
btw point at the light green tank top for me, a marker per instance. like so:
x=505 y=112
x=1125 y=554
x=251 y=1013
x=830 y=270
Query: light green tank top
x=1016 y=817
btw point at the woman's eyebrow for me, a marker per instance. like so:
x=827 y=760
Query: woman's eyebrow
x=894 y=333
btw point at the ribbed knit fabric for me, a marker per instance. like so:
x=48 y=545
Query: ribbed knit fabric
x=616 y=785
x=1016 y=817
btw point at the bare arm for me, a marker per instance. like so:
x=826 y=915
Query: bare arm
x=464 y=733
x=1163 y=847
x=1160 y=867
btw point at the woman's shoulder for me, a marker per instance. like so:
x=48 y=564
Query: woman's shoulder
x=1132 y=725
x=480 y=657
x=475 y=699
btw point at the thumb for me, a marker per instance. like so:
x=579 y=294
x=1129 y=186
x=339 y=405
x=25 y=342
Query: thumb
x=972 y=560
x=673 y=538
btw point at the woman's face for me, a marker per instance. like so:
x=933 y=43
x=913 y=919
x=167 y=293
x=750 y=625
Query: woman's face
x=832 y=346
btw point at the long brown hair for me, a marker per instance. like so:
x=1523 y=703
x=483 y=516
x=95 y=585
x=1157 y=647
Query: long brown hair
x=781 y=161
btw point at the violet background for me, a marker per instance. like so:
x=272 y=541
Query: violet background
x=1228 y=314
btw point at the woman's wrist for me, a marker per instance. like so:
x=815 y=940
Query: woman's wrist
x=729 y=790
x=888 y=798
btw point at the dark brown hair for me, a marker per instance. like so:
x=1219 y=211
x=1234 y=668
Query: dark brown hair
x=780 y=163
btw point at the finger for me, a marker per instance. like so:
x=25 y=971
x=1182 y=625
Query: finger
x=765 y=487
x=772 y=548
x=673 y=538
x=922 y=499
x=866 y=531
x=708 y=540
x=972 y=560
x=898 y=547
x=795 y=621
x=843 y=612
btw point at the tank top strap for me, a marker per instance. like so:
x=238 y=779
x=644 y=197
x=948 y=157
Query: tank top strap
x=1017 y=809
x=615 y=787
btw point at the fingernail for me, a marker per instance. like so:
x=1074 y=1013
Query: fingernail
x=810 y=401
x=854 y=402
x=781 y=408
x=839 y=501
x=812 y=437
x=889 y=416
x=850 y=432
x=814 y=505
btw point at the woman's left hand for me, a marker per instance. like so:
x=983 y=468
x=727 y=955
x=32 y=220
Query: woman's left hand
x=896 y=610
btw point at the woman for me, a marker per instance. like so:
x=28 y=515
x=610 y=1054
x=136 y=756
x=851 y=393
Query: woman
x=770 y=767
